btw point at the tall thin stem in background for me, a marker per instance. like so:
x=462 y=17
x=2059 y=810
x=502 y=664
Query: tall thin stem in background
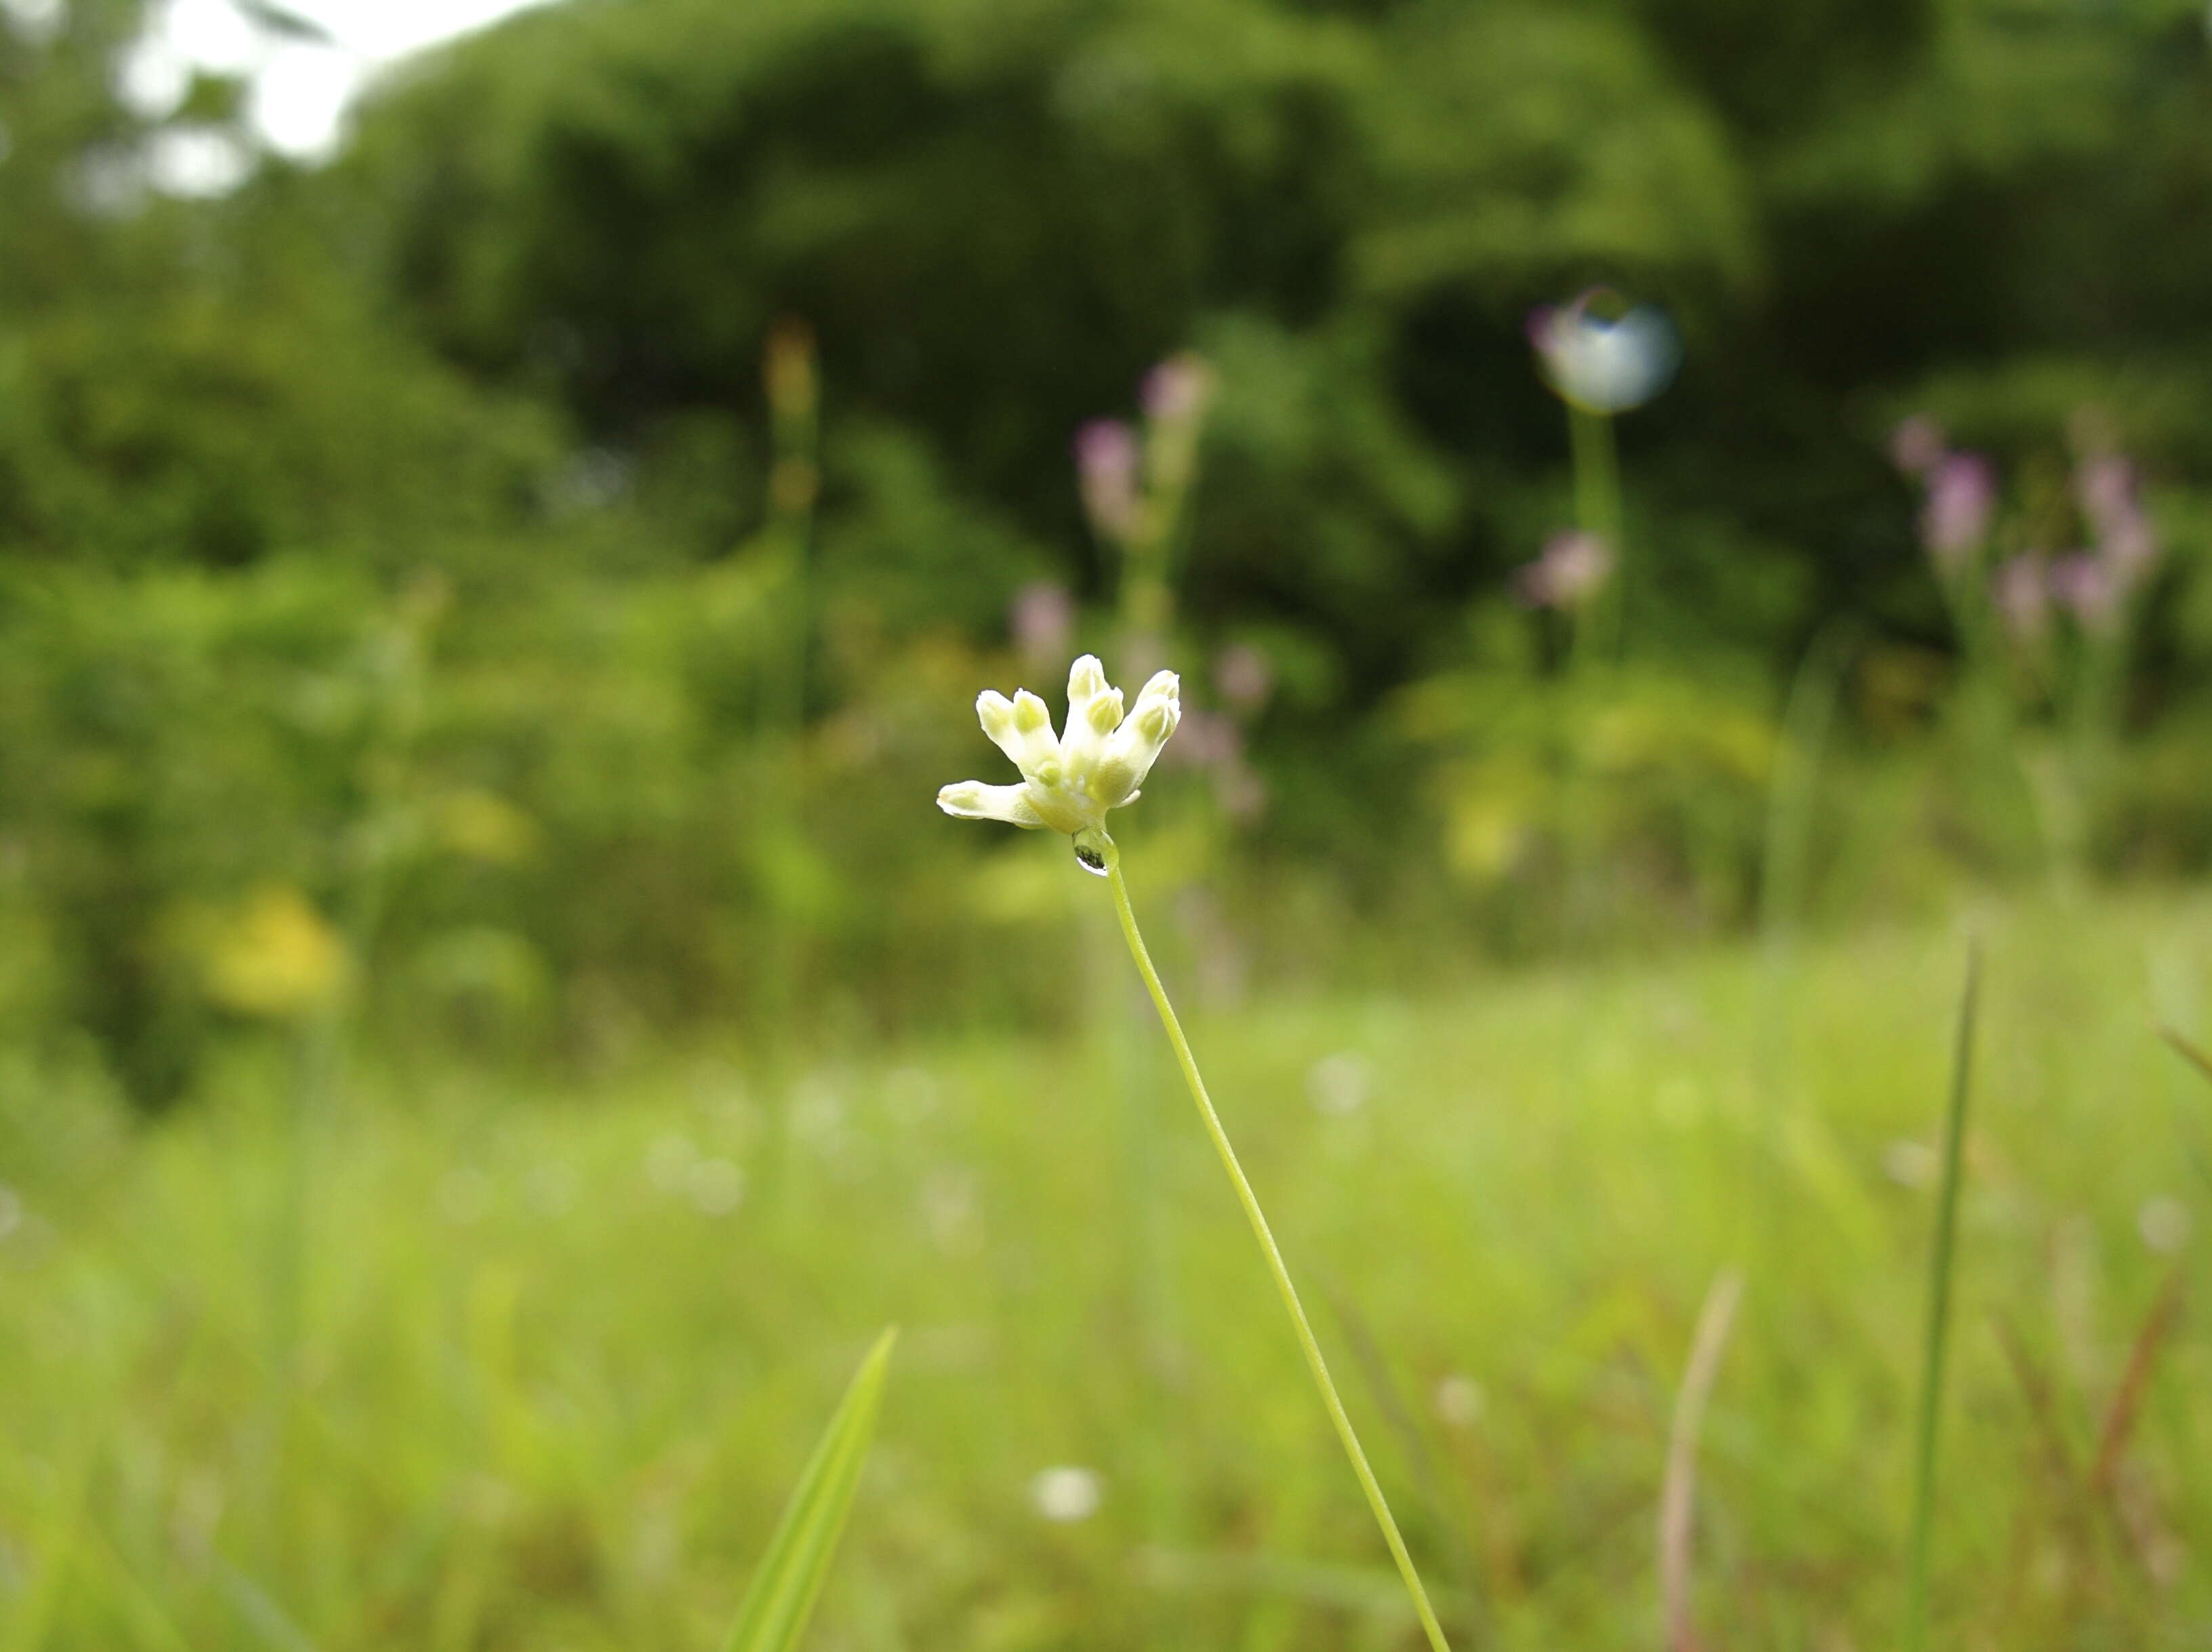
x=1939 y=1320
x=792 y=383
x=789 y=376
x=1678 y=1497
x=1595 y=650
x=398 y=668
x=1274 y=1256
x=1597 y=511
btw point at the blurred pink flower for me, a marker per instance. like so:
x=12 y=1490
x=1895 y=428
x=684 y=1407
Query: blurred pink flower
x=1106 y=458
x=1572 y=568
x=1042 y=619
x=1144 y=653
x=1243 y=676
x=1242 y=794
x=1917 y=445
x=2084 y=587
x=1962 y=492
x=2105 y=488
x=1209 y=739
x=2021 y=591
x=2104 y=485
x=1176 y=390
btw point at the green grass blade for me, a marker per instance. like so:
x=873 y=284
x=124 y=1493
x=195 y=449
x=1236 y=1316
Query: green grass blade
x=260 y=1612
x=1939 y=1318
x=781 y=1597
x=2187 y=1051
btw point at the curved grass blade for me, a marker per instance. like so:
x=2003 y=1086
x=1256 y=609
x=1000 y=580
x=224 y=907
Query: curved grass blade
x=781 y=1597
x=1939 y=1319
x=2187 y=1051
x=1678 y=1497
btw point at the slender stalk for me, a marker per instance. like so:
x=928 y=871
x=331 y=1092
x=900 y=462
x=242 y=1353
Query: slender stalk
x=1597 y=511
x=1678 y=1498
x=1266 y=1238
x=1939 y=1321
x=1593 y=656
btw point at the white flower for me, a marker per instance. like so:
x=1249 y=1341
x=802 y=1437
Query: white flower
x=1604 y=365
x=1096 y=762
x=1065 y=1494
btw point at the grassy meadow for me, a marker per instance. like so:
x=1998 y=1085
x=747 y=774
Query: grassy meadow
x=1658 y=532
x=416 y=1366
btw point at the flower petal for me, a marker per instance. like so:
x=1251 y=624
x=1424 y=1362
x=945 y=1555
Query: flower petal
x=1021 y=728
x=1085 y=678
x=1093 y=712
x=1134 y=747
x=973 y=800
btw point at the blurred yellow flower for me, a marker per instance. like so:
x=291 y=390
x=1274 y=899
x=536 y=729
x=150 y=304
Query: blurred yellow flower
x=272 y=955
x=484 y=826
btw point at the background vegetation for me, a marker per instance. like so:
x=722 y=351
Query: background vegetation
x=446 y=711
x=456 y=454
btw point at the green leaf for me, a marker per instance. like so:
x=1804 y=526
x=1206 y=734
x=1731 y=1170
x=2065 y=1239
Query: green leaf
x=783 y=1592
x=1939 y=1313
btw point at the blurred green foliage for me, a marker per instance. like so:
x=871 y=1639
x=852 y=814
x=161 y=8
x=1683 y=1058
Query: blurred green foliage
x=395 y=535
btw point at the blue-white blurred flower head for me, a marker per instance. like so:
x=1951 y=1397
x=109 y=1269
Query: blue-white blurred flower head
x=1601 y=362
x=1096 y=763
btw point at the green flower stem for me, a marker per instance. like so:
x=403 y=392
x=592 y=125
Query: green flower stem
x=1597 y=510
x=1266 y=1238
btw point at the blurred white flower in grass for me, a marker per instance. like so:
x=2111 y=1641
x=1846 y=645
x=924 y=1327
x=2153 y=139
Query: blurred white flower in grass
x=820 y=1115
x=1604 y=363
x=1339 y=1083
x=2164 y=1224
x=1909 y=1164
x=1065 y=1494
x=1070 y=782
x=1460 y=1400
x=716 y=1187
